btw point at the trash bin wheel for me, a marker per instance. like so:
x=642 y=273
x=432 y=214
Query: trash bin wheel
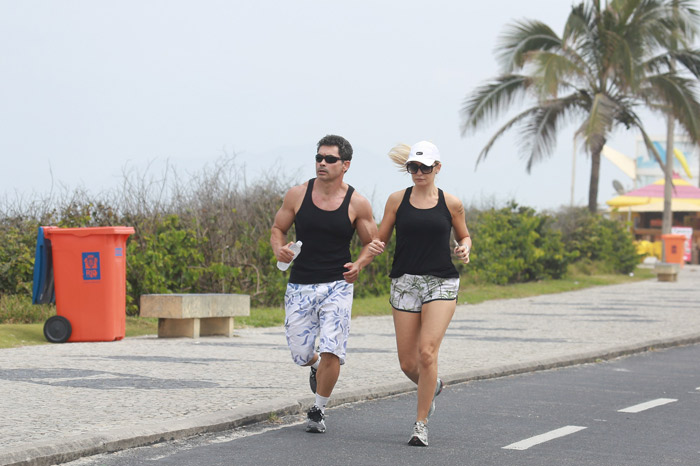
x=57 y=329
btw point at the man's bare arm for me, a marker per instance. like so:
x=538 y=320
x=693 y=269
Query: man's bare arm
x=366 y=229
x=283 y=222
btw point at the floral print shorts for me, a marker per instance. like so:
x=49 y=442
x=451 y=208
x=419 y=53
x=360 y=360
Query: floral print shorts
x=410 y=292
x=318 y=310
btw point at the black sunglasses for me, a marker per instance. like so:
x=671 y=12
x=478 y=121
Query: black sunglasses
x=413 y=168
x=327 y=158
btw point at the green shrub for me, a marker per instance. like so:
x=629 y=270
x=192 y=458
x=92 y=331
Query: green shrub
x=17 y=249
x=598 y=239
x=168 y=260
x=374 y=279
x=211 y=235
x=514 y=244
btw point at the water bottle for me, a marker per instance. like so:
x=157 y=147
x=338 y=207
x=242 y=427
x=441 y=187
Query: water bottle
x=296 y=249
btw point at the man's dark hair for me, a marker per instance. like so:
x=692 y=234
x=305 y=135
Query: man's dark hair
x=344 y=147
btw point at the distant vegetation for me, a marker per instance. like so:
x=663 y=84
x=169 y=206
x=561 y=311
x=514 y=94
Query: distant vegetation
x=210 y=234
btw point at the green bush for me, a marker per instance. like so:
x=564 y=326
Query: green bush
x=515 y=244
x=598 y=239
x=17 y=248
x=211 y=235
x=169 y=260
x=374 y=279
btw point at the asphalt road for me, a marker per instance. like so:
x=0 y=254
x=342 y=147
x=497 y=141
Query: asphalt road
x=639 y=410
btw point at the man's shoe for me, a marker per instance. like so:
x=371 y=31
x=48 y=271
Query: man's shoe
x=312 y=380
x=420 y=435
x=438 y=390
x=315 y=420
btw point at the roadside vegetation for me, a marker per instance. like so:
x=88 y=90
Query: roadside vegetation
x=210 y=234
x=16 y=334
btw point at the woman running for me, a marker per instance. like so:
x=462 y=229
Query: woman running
x=424 y=281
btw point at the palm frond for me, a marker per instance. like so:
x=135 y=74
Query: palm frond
x=509 y=124
x=521 y=38
x=555 y=72
x=577 y=24
x=492 y=98
x=680 y=98
x=649 y=144
x=599 y=121
x=690 y=59
x=540 y=130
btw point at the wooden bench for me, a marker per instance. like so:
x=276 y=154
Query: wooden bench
x=666 y=272
x=194 y=315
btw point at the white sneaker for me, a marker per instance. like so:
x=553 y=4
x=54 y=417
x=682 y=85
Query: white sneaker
x=420 y=435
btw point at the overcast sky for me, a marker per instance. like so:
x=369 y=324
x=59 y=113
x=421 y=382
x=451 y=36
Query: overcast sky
x=89 y=88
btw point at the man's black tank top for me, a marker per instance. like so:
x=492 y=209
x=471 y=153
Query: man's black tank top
x=423 y=240
x=326 y=236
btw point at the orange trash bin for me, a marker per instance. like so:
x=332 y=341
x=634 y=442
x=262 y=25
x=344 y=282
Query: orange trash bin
x=89 y=266
x=674 y=248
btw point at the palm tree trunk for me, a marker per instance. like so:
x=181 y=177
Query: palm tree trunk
x=596 y=149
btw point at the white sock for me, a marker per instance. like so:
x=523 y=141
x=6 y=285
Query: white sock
x=318 y=361
x=321 y=402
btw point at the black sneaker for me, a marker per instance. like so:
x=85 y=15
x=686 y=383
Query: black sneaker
x=315 y=420
x=312 y=380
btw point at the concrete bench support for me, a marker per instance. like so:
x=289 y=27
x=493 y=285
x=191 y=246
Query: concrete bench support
x=666 y=272
x=194 y=315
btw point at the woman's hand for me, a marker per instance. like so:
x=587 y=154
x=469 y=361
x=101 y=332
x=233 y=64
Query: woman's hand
x=376 y=247
x=462 y=251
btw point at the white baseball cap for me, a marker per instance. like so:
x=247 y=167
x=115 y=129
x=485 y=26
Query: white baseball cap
x=424 y=152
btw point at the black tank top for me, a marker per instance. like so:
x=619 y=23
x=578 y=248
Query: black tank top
x=326 y=236
x=423 y=240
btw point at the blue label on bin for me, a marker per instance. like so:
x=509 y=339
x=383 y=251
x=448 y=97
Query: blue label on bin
x=119 y=252
x=91 y=266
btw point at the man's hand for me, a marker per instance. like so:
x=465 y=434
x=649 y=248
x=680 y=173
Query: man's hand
x=353 y=272
x=284 y=254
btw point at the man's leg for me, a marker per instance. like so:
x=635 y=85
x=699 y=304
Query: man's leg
x=327 y=374
x=300 y=322
x=334 y=320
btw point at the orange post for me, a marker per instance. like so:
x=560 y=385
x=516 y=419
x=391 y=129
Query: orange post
x=90 y=280
x=674 y=248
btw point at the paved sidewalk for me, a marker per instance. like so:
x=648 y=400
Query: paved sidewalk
x=61 y=402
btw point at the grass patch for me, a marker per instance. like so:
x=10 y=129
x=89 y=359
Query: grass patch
x=137 y=326
x=12 y=335
x=478 y=293
x=18 y=308
x=274 y=316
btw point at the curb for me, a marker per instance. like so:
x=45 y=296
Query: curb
x=72 y=448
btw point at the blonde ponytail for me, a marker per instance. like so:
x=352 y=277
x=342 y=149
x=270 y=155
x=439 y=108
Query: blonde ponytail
x=399 y=154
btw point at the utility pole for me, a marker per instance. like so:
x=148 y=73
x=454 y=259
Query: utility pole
x=573 y=172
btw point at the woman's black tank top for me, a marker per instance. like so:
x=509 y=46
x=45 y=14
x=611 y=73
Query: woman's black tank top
x=326 y=236
x=423 y=240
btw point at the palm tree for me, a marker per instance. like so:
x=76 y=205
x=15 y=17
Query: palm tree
x=610 y=62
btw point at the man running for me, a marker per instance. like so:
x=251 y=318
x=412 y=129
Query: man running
x=326 y=212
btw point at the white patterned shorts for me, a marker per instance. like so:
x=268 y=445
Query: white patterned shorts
x=322 y=310
x=410 y=292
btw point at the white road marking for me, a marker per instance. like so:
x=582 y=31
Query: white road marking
x=537 y=439
x=648 y=405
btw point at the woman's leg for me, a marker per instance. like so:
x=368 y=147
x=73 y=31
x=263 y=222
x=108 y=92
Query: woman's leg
x=435 y=318
x=407 y=326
